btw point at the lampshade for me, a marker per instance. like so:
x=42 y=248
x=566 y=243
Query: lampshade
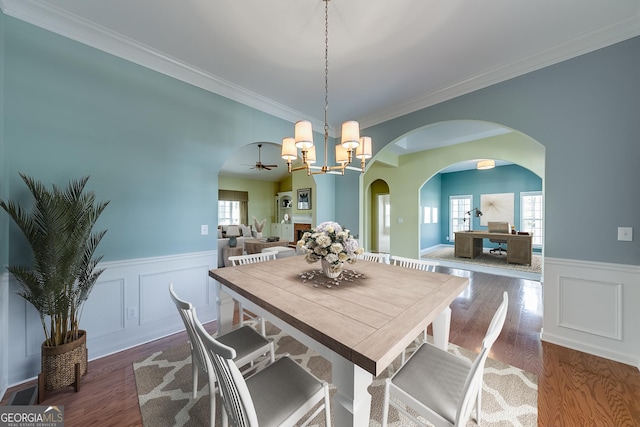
x=311 y=154
x=233 y=231
x=486 y=164
x=303 y=134
x=350 y=134
x=364 y=150
x=289 y=150
x=342 y=154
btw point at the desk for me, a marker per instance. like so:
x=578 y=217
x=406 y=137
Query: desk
x=468 y=244
x=255 y=246
x=360 y=326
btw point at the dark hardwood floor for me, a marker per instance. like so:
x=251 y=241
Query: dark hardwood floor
x=575 y=389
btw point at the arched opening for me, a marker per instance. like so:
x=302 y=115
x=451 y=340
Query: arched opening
x=411 y=160
x=379 y=217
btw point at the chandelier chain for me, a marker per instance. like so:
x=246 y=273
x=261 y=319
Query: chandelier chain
x=326 y=68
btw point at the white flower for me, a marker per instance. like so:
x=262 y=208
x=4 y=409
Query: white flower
x=329 y=241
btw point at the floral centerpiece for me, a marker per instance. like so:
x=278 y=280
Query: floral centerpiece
x=332 y=244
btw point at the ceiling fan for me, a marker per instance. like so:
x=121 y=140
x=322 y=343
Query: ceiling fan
x=259 y=165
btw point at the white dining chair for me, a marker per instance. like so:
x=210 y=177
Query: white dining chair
x=374 y=257
x=248 y=343
x=416 y=264
x=281 y=394
x=252 y=259
x=440 y=386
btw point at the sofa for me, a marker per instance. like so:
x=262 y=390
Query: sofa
x=244 y=232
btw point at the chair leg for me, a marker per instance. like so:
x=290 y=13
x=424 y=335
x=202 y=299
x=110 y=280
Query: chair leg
x=385 y=403
x=327 y=406
x=194 y=374
x=241 y=311
x=478 y=404
x=262 y=328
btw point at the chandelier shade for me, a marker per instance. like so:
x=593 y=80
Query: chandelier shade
x=364 y=150
x=351 y=143
x=303 y=134
x=289 y=151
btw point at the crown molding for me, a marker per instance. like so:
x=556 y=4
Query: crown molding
x=83 y=31
x=89 y=33
x=603 y=37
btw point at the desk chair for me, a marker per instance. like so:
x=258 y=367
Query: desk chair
x=439 y=385
x=498 y=227
x=281 y=394
x=252 y=259
x=249 y=344
x=416 y=264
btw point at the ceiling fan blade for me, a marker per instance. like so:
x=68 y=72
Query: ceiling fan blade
x=270 y=166
x=266 y=168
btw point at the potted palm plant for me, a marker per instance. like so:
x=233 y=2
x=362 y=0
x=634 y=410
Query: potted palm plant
x=58 y=228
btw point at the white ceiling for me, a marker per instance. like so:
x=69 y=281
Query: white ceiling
x=386 y=58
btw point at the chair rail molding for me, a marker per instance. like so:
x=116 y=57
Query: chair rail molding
x=129 y=306
x=592 y=307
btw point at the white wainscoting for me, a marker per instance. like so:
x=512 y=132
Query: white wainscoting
x=128 y=306
x=593 y=307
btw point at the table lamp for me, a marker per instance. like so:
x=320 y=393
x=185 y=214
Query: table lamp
x=233 y=231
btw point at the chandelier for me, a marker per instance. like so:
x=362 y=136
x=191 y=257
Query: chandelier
x=351 y=143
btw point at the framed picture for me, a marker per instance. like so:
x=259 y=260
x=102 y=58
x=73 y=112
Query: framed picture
x=304 y=199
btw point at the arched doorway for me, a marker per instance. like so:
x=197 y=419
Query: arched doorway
x=380 y=216
x=405 y=165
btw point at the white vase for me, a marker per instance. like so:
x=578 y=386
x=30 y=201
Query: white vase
x=258 y=234
x=326 y=269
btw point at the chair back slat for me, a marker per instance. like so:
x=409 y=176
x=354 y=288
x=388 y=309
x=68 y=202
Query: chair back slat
x=187 y=313
x=473 y=383
x=417 y=264
x=373 y=257
x=252 y=258
x=235 y=394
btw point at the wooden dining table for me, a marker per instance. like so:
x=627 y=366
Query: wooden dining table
x=360 y=324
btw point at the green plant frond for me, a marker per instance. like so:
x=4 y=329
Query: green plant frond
x=59 y=231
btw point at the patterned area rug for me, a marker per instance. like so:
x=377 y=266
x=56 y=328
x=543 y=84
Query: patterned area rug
x=487 y=259
x=163 y=380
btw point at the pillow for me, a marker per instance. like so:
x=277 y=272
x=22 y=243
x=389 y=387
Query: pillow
x=246 y=231
x=219 y=233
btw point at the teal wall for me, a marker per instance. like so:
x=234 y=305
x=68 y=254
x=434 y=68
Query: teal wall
x=152 y=144
x=503 y=179
x=584 y=111
x=430 y=196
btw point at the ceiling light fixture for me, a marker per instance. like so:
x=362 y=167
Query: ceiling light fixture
x=486 y=164
x=351 y=143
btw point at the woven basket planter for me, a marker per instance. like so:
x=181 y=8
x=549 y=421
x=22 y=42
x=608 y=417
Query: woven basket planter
x=59 y=363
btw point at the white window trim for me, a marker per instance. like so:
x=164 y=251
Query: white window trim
x=522 y=196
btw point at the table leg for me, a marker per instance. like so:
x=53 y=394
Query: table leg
x=226 y=306
x=441 y=326
x=352 y=402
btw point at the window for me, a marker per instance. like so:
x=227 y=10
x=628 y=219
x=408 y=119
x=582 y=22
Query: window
x=228 y=212
x=426 y=215
x=458 y=207
x=233 y=207
x=531 y=212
